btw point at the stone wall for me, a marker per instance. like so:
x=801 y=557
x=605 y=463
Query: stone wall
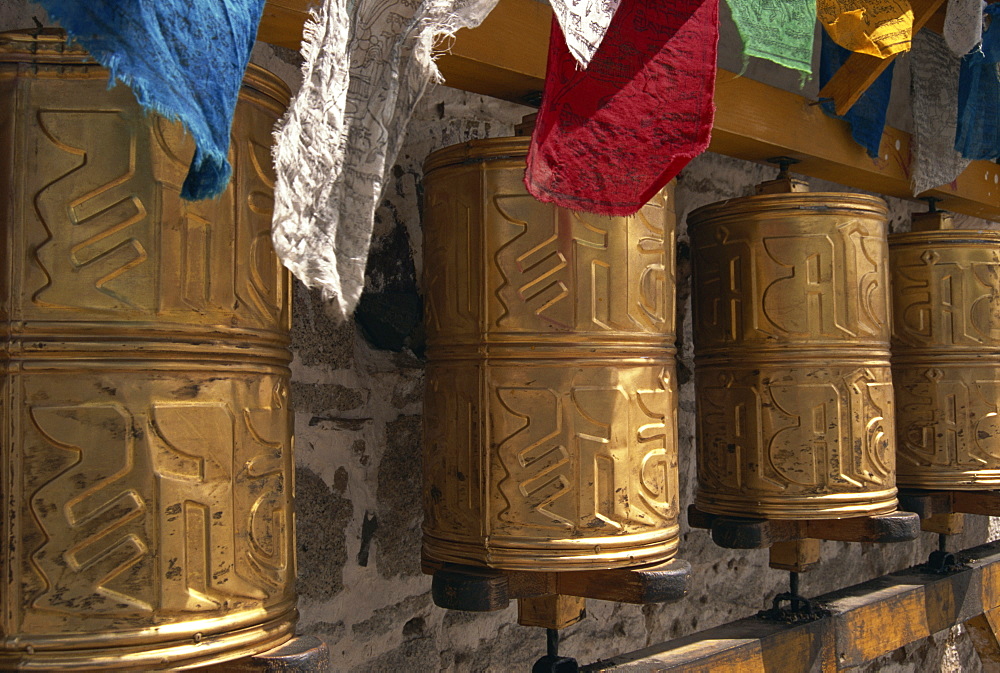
x=357 y=395
x=358 y=401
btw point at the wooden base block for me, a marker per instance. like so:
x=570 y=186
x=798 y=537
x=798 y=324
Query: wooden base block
x=551 y=611
x=304 y=654
x=943 y=524
x=930 y=503
x=471 y=589
x=459 y=587
x=736 y=533
x=797 y=556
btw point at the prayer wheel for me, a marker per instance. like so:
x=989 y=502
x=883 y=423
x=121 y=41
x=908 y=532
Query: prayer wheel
x=550 y=437
x=147 y=467
x=946 y=358
x=792 y=377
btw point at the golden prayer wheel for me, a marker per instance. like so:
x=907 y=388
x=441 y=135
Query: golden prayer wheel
x=147 y=467
x=946 y=358
x=550 y=437
x=794 y=393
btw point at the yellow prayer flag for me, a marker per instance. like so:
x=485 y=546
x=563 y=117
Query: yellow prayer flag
x=877 y=27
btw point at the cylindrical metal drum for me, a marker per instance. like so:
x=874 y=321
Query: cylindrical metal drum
x=946 y=358
x=146 y=450
x=550 y=416
x=791 y=336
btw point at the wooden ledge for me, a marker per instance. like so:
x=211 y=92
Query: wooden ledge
x=867 y=621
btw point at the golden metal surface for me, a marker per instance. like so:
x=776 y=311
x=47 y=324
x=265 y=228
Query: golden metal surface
x=550 y=416
x=946 y=358
x=791 y=336
x=146 y=452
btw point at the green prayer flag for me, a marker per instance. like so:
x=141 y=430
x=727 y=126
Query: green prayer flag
x=782 y=31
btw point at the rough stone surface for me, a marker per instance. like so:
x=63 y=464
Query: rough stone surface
x=318 y=340
x=397 y=493
x=18 y=14
x=357 y=413
x=322 y=517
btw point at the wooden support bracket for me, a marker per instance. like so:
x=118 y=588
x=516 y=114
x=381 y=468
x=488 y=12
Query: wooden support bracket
x=984 y=630
x=551 y=611
x=460 y=587
x=944 y=524
x=736 y=533
x=866 y=621
x=861 y=70
x=797 y=556
x=927 y=504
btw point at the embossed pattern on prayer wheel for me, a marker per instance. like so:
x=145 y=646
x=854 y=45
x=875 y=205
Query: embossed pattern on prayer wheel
x=946 y=358
x=791 y=335
x=147 y=468
x=550 y=437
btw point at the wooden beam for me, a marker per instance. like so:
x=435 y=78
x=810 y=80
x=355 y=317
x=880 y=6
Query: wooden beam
x=510 y=62
x=866 y=621
x=936 y=22
x=282 y=22
x=861 y=70
x=505 y=58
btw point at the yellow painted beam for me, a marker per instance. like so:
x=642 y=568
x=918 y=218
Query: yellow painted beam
x=755 y=121
x=505 y=57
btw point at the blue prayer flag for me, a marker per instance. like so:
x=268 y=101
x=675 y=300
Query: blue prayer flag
x=978 y=134
x=184 y=59
x=867 y=116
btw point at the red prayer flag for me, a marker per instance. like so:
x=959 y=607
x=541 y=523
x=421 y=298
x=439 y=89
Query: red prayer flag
x=610 y=137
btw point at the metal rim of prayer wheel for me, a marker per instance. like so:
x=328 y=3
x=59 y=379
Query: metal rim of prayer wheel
x=550 y=411
x=146 y=453
x=946 y=358
x=791 y=340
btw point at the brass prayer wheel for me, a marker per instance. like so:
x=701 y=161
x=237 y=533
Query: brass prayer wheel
x=792 y=378
x=550 y=437
x=946 y=358
x=147 y=467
